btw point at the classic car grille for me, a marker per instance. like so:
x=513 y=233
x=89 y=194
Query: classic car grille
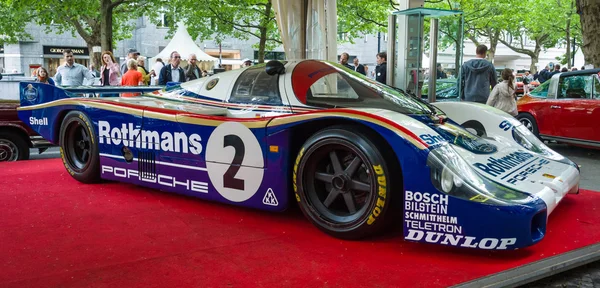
x=147 y=165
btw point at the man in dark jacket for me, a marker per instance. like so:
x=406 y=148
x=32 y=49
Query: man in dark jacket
x=172 y=72
x=477 y=76
x=381 y=69
x=193 y=72
x=359 y=67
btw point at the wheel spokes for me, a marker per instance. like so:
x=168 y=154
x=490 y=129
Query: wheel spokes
x=324 y=177
x=84 y=135
x=360 y=186
x=85 y=155
x=351 y=169
x=333 y=193
x=335 y=162
x=349 y=199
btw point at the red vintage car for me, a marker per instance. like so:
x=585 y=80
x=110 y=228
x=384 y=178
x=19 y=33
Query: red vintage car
x=519 y=83
x=565 y=109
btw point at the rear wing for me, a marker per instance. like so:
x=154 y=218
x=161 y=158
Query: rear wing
x=34 y=93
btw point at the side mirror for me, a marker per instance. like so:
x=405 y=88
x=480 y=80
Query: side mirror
x=274 y=67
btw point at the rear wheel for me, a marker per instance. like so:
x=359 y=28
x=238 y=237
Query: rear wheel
x=78 y=148
x=13 y=147
x=342 y=183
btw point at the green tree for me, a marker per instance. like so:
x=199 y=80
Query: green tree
x=241 y=19
x=537 y=26
x=589 y=11
x=98 y=22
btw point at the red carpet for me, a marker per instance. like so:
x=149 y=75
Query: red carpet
x=57 y=232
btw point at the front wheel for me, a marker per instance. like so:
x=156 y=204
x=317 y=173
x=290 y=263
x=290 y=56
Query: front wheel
x=13 y=147
x=78 y=147
x=342 y=183
x=529 y=122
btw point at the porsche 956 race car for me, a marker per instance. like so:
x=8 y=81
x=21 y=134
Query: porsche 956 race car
x=354 y=154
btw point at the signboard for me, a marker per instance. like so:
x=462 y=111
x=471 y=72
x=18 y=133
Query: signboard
x=58 y=50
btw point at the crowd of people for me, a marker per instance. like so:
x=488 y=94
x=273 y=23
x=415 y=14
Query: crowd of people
x=380 y=70
x=132 y=72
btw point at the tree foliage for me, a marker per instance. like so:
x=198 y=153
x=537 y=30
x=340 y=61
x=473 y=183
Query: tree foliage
x=98 y=22
x=240 y=19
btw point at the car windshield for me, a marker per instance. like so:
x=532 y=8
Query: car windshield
x=541 y=91
x=331 y=85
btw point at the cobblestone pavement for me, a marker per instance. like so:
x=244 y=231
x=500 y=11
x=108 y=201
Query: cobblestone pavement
x=587 y=276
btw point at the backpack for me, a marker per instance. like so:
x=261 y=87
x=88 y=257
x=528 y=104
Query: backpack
x=525 y=80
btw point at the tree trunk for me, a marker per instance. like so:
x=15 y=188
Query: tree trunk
x=589 y=11
x=95 y=57
x=457 y=59
x=106 y=23
x=494 y=35
x=568 y=36
x=263 y=33
x=533 y=67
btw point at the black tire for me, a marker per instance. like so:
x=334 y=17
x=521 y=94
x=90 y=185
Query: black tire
x=13 y=147
x=349 y=200
x=79 y=147
x=529 y=122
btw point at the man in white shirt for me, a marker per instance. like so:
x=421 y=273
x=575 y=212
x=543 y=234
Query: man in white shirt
x=72 y=74
x=158 y=65
x=172 y=72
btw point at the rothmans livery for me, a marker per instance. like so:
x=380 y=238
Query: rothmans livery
x=354 y=154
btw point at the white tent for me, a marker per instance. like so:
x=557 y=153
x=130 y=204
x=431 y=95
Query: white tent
x=183 y=43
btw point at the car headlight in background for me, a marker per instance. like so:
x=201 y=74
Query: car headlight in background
x=451 y=174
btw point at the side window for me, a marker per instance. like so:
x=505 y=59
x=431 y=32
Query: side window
x=596 y=87
x=575 y=87
x=541 y=91
x=255 y=86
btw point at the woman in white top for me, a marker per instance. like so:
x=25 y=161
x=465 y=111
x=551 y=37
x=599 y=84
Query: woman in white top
x=503 y=94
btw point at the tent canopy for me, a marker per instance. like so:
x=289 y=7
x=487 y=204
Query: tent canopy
x=183 y=43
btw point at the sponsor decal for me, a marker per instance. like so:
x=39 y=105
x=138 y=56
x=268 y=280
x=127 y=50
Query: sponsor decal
x=212 y=83
x=30 y=93
x=460 y=240
x=160 y=179
x=294 y=176
x=381 y=194
x=497 y=166
x=38 y=121
x=270 y=198
x=432 y=139
x=127 y=135
x=536 y=166
x=505 y=125
x=426 y=219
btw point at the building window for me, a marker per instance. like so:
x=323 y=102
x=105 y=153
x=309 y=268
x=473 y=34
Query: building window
x=165 y=21
x=271 y=55
x=366 y=38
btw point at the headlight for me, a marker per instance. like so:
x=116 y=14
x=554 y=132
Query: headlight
x=451 y=174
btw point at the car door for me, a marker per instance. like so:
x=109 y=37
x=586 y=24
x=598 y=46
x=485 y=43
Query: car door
x=541 y=107
x=575 y=107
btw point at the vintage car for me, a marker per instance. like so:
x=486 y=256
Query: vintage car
x=565 y=108
x=519 y=90
x=353 y=153
x=16 y=138
x=446 y=90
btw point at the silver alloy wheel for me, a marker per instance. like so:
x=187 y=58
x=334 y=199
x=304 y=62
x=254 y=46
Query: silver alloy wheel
x=8 y=151
x=527 y=123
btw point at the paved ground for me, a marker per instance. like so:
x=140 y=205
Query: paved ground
x=587 y=276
